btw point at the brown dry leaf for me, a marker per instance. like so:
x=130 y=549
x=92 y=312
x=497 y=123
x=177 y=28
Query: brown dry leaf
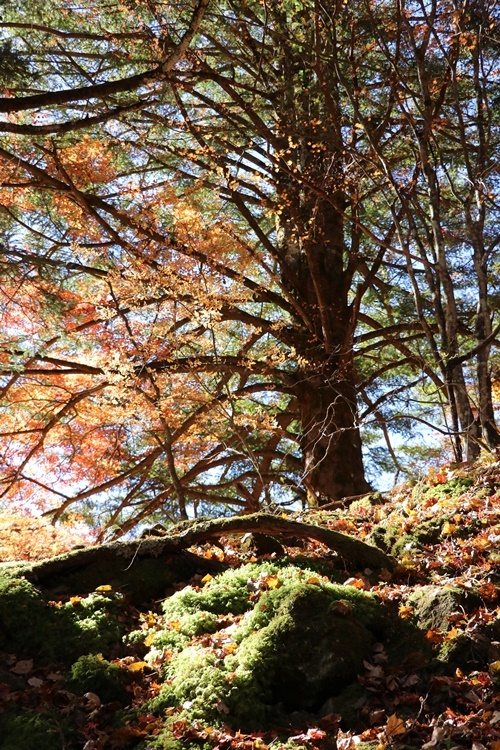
x=435 y=636
x=22 y=667
x=346 y=741
x=93 y=701
x=448 y=528
x=342 y=607
x=488 y=591
x=35 y=682
x=438 y=734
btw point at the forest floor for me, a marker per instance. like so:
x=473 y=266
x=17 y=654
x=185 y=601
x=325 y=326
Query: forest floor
x=443 y=531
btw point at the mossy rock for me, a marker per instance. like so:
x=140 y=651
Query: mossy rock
x=384 y=537
x=33 y=731
x=454 y=488
x=32 y=626
x=20 y=607
x=93 y=673
x=433 y=605
x=139 y=580
x=389 y=538
x=308 y=650
x=303 y=640
x=425 y=533
x=472 y=651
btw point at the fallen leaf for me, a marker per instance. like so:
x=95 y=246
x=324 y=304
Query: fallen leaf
x=405 y=612
x=137 y=666
x=438 y=734
x=342 y=607
x=35 y=682
x=448 y=528
x=22 y=667
x=435 y=636
x=347 y=741
x=273 y=582
x=93 y=700
x=357 y=583
x=395 y=726
x=488 y=591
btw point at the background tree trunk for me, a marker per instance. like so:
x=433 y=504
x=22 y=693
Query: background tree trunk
x=330 y=441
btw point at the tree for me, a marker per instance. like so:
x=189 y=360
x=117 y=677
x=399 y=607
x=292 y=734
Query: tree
x=440 y=173
x=209 y=214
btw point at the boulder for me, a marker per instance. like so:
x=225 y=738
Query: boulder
x=433 y=605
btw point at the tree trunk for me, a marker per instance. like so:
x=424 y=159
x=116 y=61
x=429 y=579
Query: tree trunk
x=330 y=440
x=468 y=424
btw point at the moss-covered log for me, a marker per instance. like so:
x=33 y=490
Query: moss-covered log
x=352 y=551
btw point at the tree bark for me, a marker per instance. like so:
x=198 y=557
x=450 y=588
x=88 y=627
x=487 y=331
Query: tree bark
x=330 y=440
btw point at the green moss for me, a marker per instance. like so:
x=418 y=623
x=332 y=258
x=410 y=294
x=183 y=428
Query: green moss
x=95 y=621
x=427 y=532
x=92 y=673
x=31 y=626
x=20 y=607
x=281 y=598
x=229 y=592
x=433 y=605
x=453 y=488
x=494 y=670
x=165 y=741
x=358 y=506
x=384 y=537
x=287 y=610
x=33 y=731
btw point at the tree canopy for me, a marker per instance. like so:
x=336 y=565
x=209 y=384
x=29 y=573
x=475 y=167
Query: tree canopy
x=241 y=240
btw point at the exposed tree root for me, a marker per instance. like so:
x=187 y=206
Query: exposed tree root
x=352 y=551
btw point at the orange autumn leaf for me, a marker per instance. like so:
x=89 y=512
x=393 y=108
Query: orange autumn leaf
x=395 y=725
